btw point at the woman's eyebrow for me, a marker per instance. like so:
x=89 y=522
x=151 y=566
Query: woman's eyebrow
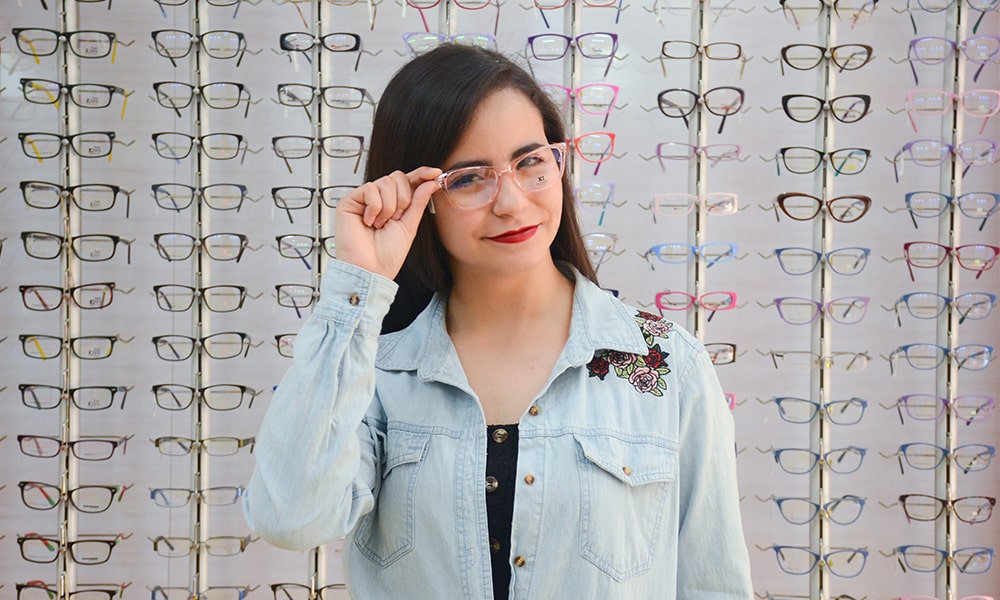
x=478 y=162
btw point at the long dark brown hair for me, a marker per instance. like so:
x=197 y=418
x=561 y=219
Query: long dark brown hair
x=423 y=112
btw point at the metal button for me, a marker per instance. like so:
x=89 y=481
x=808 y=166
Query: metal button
x=533 y=411
x=519 y=561
x=500 y=435
x=494 y=545
x=492 y=484
x=354 y=299
x=529 y=479
x=626 y=470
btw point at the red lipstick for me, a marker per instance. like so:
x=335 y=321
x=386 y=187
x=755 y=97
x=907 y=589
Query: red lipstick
x=516 y=236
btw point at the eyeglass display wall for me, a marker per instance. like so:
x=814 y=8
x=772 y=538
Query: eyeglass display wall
x=809 y=186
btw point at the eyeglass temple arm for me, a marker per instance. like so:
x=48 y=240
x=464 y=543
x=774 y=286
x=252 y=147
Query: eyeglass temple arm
x=975 y=77
x=975 y=27
x=899 y=410
x=646 y=256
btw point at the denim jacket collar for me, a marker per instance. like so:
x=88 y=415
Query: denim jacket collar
x=599 y=322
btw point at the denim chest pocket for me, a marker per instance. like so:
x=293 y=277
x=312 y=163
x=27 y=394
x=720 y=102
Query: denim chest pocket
x=624 y=486
x=386 y=533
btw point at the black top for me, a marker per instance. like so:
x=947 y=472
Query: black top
x=501 y=469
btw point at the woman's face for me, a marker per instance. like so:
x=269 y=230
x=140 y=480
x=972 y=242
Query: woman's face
x=513 y=233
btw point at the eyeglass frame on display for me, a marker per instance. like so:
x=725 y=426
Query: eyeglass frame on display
x=911 y=262
x=197 y=39
x=69 y=546
x=202 y=293
x=947 y=302
x=67 y=141
x=199 y=92
x=191 y=444
x=71 y=193
x=942 y=455
x=66 y=36
x=827 y=53
x=950 y=505
x=856 y=18
x=912 y=53
x=68 y=496
x=820 y=307
x=107 y=290
x=958 y=99
x=824 y=361
x=200 y=343
x=72 y=394
x=68 y=90
x=159 y=190
x=200 y=142
x=825 y=259
x=71 y=243
x=822 y=206
x=824 y=511
x=978 y=413
x=695 y=252
x=71 y=344
x=951 y=201
x=781 y=157
x=71 y=445
x=827 y=106
x=942 y=355
x=202 y=245
x=573 y=42
x=201 y=396
x=956 y=150
x=822 y=410
x=945 y=556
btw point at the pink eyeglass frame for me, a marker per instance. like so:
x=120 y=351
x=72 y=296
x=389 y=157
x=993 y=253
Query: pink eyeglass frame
x=952 y=97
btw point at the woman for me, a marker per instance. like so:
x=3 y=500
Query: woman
x=601 y=432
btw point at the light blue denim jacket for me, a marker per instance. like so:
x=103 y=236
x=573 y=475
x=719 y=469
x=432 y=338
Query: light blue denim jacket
x=630 y=444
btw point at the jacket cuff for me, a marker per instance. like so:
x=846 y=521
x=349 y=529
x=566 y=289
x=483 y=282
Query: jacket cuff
x=354 y=297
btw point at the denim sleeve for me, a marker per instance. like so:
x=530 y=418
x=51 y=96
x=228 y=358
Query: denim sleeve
x=316 y=465
x=714 y=563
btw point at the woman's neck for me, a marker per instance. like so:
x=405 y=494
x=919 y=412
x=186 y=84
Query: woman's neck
x=490 y=302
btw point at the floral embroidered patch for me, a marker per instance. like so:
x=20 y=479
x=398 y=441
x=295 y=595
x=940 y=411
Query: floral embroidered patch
x=645 y=373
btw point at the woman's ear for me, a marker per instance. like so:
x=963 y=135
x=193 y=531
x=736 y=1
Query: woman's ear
x=430 y=206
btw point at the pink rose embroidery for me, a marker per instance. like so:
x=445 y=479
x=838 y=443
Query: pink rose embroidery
x=645 y=373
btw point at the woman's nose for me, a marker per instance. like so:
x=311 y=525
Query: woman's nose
x=510 y=198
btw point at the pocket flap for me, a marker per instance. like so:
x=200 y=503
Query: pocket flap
x=403 y=447
x=631 y=462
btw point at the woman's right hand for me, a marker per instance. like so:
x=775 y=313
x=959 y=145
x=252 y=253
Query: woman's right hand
x=376 y=222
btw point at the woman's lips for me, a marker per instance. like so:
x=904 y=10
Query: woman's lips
x=516 y=236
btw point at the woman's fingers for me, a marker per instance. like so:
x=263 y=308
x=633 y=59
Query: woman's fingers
x=376 y=222
x=418 y=202
x=390 y=196
x=381 y=199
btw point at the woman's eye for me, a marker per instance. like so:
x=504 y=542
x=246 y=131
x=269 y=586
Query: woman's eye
x=464 y=180
x=532 y=160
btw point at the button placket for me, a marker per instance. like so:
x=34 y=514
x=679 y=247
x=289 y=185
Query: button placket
x=500 y=435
